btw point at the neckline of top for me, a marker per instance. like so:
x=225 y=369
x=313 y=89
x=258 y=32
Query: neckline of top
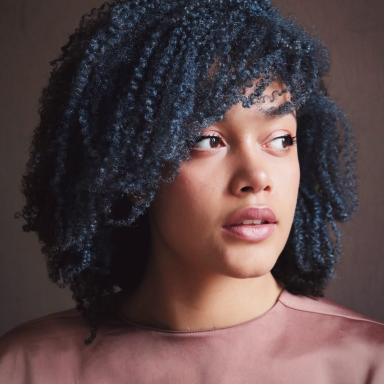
x=159 y=330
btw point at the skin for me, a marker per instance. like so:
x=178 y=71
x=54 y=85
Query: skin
x=198 y=277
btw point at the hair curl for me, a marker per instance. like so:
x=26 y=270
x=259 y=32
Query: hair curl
x=128 y=96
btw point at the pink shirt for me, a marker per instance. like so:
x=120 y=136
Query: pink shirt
x=299 y=340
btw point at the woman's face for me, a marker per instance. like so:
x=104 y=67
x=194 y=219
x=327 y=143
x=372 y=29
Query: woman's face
x=250 y=162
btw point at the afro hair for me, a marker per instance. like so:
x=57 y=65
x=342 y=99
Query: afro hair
x=127 y=98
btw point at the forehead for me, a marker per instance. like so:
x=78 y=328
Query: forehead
x=274 y=101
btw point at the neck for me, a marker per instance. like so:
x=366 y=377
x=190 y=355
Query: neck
x=173 y=300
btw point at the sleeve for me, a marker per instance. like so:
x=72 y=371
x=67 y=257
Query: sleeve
x=376 y=373
x=46 y=350
x=13 y=361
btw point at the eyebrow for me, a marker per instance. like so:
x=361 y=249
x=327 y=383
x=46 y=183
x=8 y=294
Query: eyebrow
x=287 y=108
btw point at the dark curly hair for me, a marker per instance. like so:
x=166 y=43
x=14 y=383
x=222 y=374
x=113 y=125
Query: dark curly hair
x=127 y=98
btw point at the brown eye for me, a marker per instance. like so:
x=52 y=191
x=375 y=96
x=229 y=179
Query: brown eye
x=281 y=143
x=208 y=142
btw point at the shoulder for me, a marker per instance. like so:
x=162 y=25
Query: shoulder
x=38 y=343
x=334 y=322
x=322 y=306
x=52 y=328
x=345 y=341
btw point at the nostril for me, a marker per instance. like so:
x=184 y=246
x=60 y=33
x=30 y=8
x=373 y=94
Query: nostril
x=247 y=189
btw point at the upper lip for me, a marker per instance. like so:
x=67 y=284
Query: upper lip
x=251 y=213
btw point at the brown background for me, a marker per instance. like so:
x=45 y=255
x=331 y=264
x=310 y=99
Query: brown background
x=32 y=31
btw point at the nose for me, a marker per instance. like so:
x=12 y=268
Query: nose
x=251 y=173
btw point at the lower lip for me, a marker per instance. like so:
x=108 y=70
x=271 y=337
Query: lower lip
x=252 y=233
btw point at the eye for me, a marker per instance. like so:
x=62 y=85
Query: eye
x=282 y=143
x=208 y=142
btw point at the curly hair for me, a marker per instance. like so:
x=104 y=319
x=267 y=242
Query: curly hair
x=127 y=98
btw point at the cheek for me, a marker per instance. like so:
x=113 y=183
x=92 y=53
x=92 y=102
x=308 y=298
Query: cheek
x=290 y=188
x=287 y=182
x=184 y=211
x=294 y=178
x=186 y=197
x=291 y=175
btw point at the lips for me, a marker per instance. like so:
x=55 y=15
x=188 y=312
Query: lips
x=251 y=224
x=251 y=216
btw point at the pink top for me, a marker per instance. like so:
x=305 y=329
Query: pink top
x=299 y=340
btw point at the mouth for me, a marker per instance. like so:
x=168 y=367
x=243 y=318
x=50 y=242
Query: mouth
x=250 y=231
x=251 y=224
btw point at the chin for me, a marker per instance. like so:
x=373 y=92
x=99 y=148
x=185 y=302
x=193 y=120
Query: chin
x=245 y=265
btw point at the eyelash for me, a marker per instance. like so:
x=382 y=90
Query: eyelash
x=292 y=140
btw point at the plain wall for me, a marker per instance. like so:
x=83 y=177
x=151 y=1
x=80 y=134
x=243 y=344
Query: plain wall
x=32 y=32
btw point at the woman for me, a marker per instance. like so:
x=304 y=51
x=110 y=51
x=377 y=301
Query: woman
x=186 y=180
